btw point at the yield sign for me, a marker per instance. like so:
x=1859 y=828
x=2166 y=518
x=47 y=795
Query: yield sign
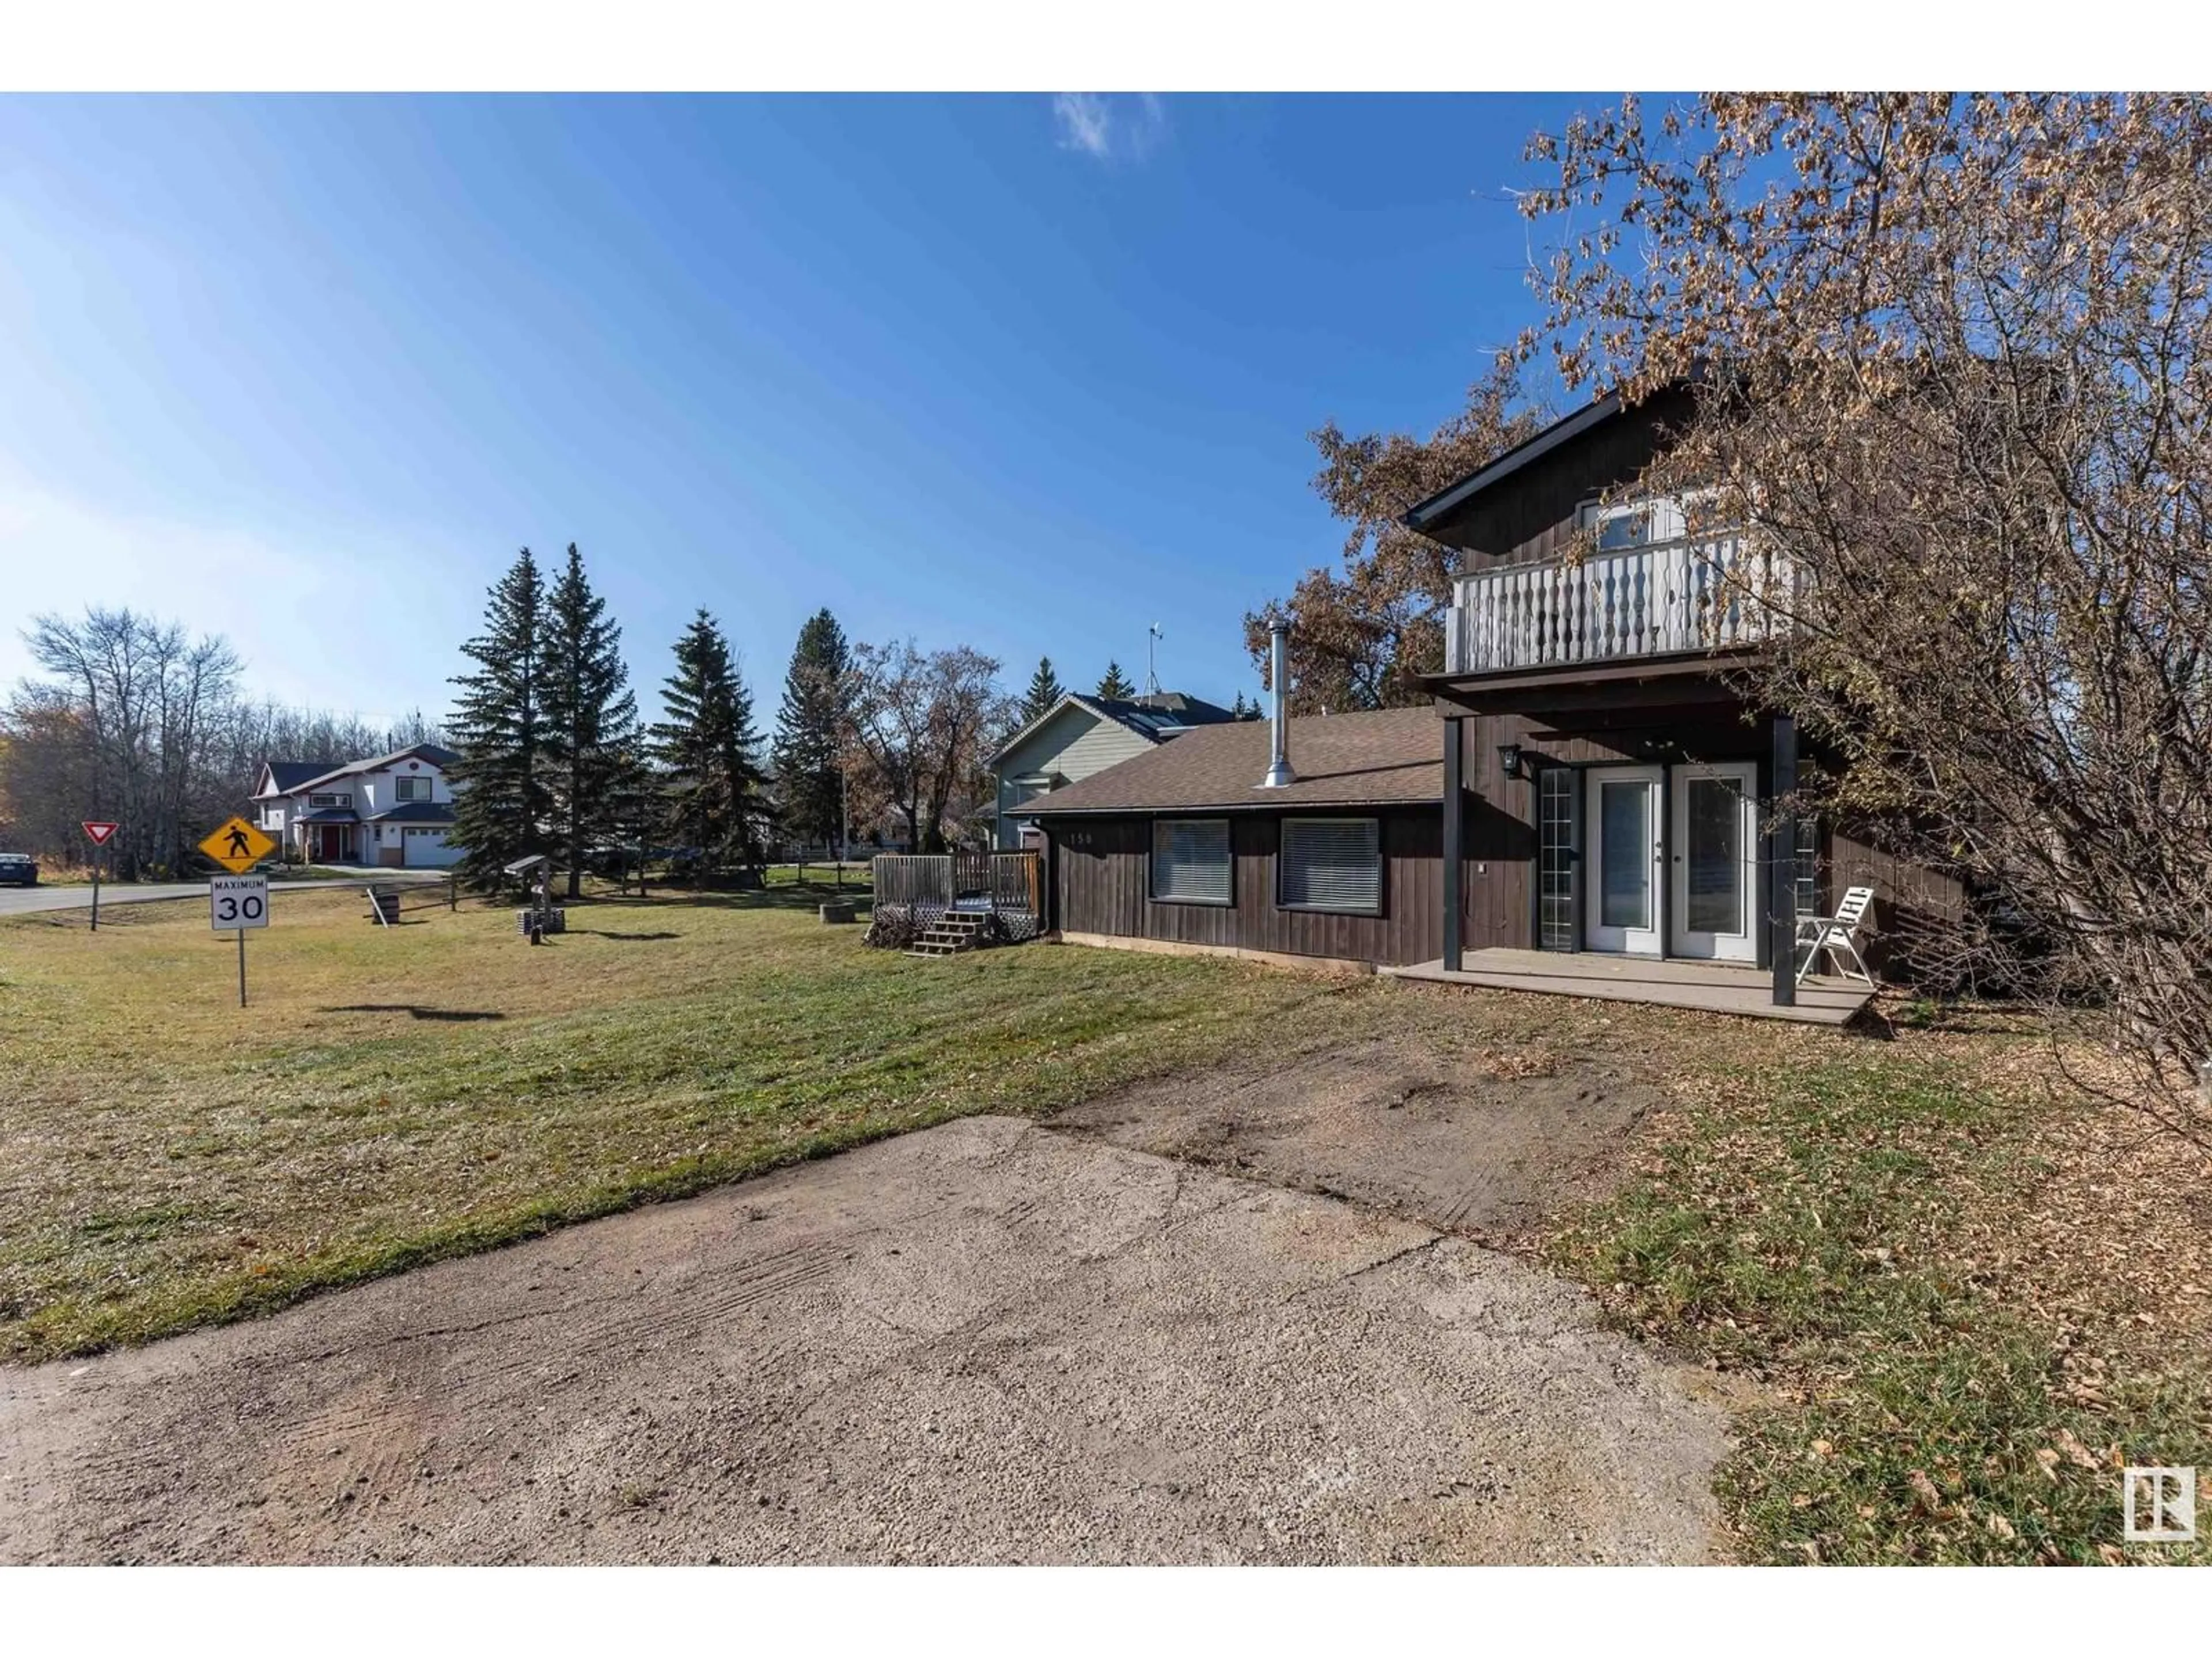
x=99 y=832
x=237 y=846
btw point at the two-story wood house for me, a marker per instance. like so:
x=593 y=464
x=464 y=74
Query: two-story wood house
x=1607 y=810
x=392 y=810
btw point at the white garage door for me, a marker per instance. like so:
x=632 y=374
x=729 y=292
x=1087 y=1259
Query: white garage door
x=428 y=847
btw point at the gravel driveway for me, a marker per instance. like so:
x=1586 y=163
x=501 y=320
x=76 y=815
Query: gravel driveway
x=989 y=1342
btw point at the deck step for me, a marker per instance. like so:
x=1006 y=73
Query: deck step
x=950 y=935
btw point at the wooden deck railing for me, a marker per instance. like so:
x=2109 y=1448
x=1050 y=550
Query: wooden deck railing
x=920 y=878
x=1010 y=882
x=1676 y=597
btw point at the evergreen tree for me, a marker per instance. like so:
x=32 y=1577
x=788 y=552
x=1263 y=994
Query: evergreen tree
x=705 y=749
x=1238 y=709
x=635 y=816
x=1115 y=685
x=1045 y=690
x=498 y=729
x=590 y=718
x=808 y=731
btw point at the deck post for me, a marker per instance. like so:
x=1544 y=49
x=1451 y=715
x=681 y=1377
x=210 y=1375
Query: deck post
x=1782 y=858
x=1455 y=811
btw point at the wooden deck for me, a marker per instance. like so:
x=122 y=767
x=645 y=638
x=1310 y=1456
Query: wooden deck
x=1710 y=986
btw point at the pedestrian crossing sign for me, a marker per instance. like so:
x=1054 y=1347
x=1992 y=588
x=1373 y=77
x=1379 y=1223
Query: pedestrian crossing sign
x=238 y=846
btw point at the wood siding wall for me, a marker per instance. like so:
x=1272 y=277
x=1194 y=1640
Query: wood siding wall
x=1102 y=881
x=1907 y=898
x=1530 y=517
x=1501 y=836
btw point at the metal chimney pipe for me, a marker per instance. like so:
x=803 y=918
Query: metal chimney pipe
x=1278 y=676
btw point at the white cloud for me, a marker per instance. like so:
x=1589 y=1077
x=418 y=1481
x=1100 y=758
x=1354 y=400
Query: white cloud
x=1110 y=126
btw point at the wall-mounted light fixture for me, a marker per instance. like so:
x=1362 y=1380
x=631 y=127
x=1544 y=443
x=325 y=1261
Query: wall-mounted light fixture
x=1509 y=757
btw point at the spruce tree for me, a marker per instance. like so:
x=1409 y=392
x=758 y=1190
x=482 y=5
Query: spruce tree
x=1045 y=690
x=705 y=749
x=591 y=718
x=498 y=727
x=1115 y=686
x=807 y=732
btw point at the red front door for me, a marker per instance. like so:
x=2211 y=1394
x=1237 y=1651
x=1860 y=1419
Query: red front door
x=333 y=842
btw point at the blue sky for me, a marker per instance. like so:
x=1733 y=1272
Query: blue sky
x=1000 y=370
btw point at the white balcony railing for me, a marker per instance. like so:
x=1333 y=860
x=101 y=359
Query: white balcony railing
x=1676 y=597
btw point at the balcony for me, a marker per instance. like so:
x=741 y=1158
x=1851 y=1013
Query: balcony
x=1668 y=599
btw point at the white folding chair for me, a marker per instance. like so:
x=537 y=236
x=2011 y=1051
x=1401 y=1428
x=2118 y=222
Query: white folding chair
x=1831 y=935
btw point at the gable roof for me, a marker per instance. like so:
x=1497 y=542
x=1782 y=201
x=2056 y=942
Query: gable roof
x=1155 y=718
x=285 y=776
x=1437 y=514
x=437 y=755
x=1447 y=501
x=1389 y=756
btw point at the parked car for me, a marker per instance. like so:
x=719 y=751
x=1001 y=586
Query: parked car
x=19 y=869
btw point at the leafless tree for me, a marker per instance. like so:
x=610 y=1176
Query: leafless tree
x=136 y=722
x=915 y=725
x=1953 y=358
x=143 y=693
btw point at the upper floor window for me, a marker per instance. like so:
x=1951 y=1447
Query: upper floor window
x=1619 y=526
x=410 y=789
x=330 y=800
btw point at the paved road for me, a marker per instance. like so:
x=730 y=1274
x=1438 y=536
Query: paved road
x=28 y=901
x=988 y=1342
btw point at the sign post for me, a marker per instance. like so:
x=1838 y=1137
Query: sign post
x=238 y=900
x=101 y=833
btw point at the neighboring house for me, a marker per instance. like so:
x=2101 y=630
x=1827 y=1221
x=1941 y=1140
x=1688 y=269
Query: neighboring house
x=393 y=811
x=1079 y=735
x=1587 y=782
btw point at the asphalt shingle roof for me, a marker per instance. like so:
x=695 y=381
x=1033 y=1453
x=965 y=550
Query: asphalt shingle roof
x=1390 y=756
x=285 y=776
x=416 y=811
x=1157 y=717
x=443 y=758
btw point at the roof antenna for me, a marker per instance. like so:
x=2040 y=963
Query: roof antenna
x=1153 y=635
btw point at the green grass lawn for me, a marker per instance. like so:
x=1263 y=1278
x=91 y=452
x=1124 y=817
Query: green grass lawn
x=1912 y=1250
x=389 y=1096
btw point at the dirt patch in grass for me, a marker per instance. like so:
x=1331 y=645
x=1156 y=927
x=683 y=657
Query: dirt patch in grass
x=1485 y=1144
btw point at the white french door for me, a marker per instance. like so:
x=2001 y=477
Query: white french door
x=1621 y=865
x=1713 y=900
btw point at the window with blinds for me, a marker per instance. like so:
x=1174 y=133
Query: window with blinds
x=1190 y=860
x=1331 y=864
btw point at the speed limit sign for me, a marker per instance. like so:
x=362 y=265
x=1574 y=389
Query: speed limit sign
x=238 y=901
